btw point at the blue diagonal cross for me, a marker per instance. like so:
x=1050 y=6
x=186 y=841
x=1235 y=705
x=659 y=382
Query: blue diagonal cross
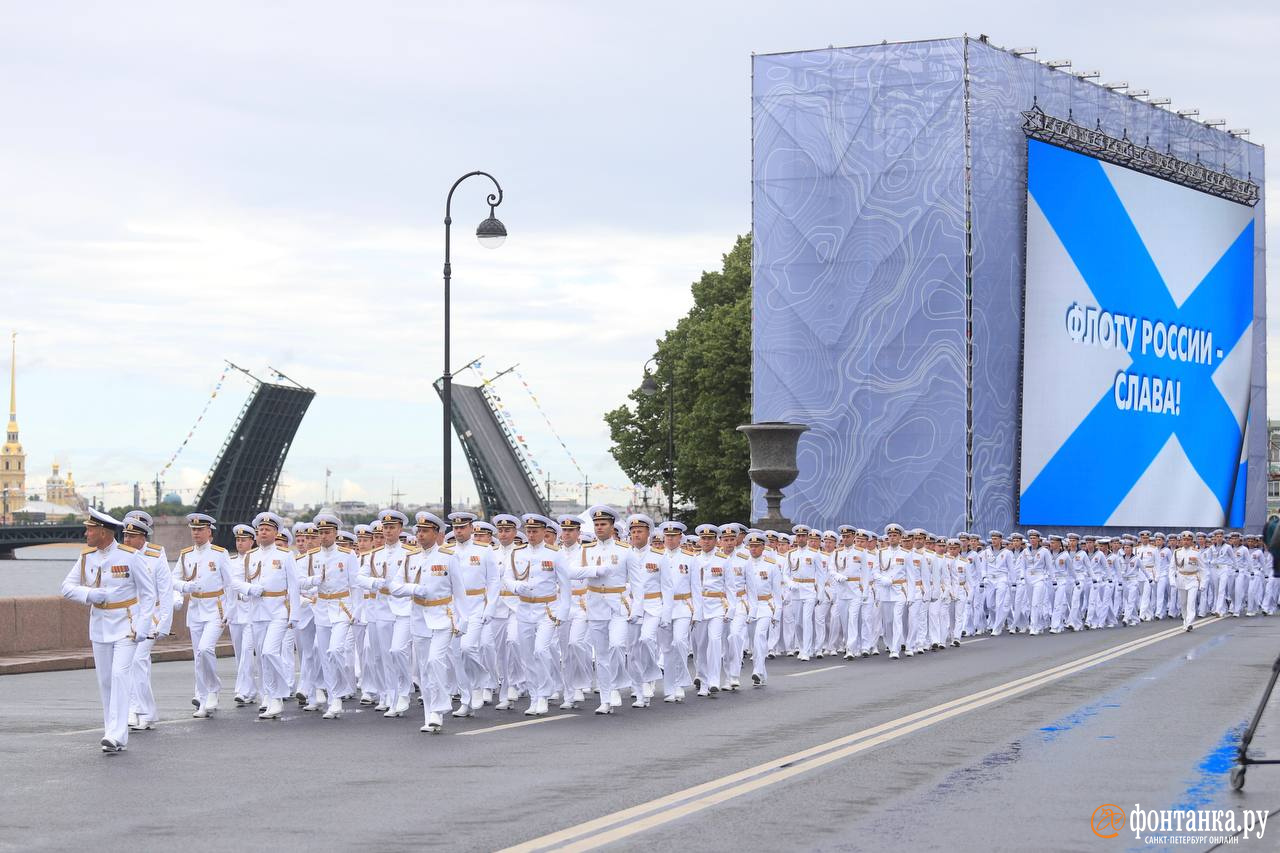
x=1106 y=455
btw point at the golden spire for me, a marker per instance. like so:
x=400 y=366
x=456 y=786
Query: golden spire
x=13 y=380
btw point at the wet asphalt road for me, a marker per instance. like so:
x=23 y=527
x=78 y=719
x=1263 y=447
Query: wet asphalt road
x=998 y=745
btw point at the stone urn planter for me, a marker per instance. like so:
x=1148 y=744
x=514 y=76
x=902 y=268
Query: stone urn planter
x=773 y=466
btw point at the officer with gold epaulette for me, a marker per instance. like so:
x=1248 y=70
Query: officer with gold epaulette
x=334 y=584
x=203 y=574
x=679 y=593
x=138 y=526
x=121 y=593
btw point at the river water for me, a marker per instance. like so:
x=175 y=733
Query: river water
x=37 y=571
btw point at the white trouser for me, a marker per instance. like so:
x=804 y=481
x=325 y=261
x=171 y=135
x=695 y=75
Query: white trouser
x=711 y=660
x=113 y=663
x=399 y=671
x=331 y=651
x=937 y=623
x=869 y=630
x=576 y=654
x=432 y=654
x=537 y=657
x=204 y=642
x=1161 y=600
x=1132 y=598
x=821 y=617
x=837 y=639
x=377 y=663
x=142 y=700
x=917 y=622
x=735 y=639
x=1257 y=586
x=891 y=615
x=1002 y=605
x=760 y=647
x=246 y=661
x=276 y=664
x=790 y=624
x=304 y=638
x=1059 y=599
x=609 y=641
x=473 y=668
x=675 y=665
x=1021 y=605
x=960 y=616
x=1240 y=592
x=1187 y=603
x=799 y=611
x=642 y=662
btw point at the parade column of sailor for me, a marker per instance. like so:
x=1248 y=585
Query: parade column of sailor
x=273 y=594
x=142 y=702
x=481 y=579
x=121 y=593
x=678 y=610
x=574 y=634
x=240 y=621
x=203 y=573
x=1191 y=580
x=431 y=583
x=646 y=611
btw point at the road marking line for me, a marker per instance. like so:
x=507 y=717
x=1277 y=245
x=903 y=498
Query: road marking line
x=813 y=671
x=154 y=723
x=506 y=726
x=974 y=640
x=682 y=803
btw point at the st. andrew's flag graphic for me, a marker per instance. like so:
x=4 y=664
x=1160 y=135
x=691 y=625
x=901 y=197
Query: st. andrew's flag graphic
x=1137 y=349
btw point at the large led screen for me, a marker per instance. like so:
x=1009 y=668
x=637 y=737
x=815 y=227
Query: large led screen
x=1137 y=342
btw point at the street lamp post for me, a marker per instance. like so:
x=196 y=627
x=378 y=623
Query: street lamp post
x=649 y=387
x=491 y=233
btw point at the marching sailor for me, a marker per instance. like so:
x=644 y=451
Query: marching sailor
x=608 y=604
x=334 y=582
x=240 y=621
x=481 y=579
x=203 y=573
x=273 y=593
x=764 y=594
x=679 y=593
x=114 y=581
x=142 y=703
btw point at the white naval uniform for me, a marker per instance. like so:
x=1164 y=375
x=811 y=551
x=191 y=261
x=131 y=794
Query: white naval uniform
x=999 y=578
x=392 y=633
x=1191 y=580
x=960 y=583
x=1062 y=585
x=482 y=581
x=335 y=585
x=736 y=639
x=121 y=594
x=1040 y=593
x=501 y=632
x=303 y=635
x=609 y=609
x=764 y=595
x=143 y=701
x=273 y=593
x=803 y=576
x=430 y=584
x=937 y=583
x=676 y=620
x=846 y=604
x=575 y=634
x=203 y=574
x=240 y=624
x=645 y=654
x=543 y=585
x=892 y=579
x=712 y=607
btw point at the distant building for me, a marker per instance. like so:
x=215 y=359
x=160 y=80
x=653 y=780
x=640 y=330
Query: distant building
x=13 y=473
x=62 y=490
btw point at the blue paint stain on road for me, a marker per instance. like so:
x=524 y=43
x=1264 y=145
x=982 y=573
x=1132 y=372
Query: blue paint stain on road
x=1212 y=771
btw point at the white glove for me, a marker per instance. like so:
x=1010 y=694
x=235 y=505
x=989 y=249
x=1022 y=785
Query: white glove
x=255 y=590
x=97 y=596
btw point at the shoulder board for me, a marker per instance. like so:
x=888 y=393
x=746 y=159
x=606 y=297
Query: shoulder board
x=153 y=551
x=218 y=548
x=186 y=550
x=313 y=551
x=691 y=552
x=413 y=549
x=87 y=550
x=447 y=549
x=742 y=554
x=518 y=546
x=253 y=550
x=551 y=547
x=657 y=549
x=593 y=543
x=376 y=550
x=768 y=558
x=126 y=548
x=344 y=549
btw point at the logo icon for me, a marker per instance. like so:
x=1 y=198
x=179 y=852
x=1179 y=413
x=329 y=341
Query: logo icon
x=1108 y=820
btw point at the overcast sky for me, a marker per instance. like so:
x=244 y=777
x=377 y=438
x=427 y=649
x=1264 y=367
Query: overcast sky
x=265 y=182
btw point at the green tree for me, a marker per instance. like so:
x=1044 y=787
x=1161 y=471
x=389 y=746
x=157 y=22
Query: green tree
x=708 y=354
